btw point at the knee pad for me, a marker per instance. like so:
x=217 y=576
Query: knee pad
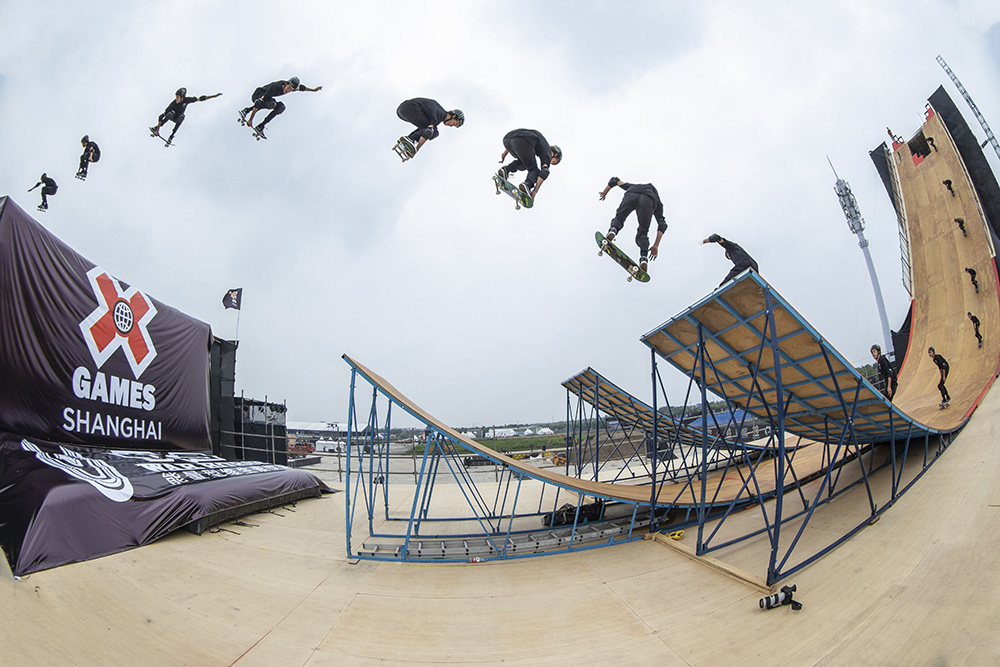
x=279 y=107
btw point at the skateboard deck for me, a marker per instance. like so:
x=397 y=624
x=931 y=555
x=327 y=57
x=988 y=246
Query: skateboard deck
x=405 y=149
x=520 y=199
x=620 y=258
x=167 y=142
x=257 y=134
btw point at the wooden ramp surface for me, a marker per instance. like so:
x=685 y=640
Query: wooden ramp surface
x=942 y=291
x=918 y=587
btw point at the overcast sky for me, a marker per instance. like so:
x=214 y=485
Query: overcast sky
x=478 y=312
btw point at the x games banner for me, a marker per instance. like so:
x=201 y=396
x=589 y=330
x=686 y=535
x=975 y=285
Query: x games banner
x=86 y=358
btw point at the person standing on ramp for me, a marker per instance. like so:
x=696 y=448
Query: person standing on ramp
x=645 y=201
x=885 y=371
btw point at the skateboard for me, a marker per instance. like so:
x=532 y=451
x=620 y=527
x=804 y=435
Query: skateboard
x=43 y=208
x=405 y=149
x=167 y=143
x=257 y=134
x=620 y=258
x=944 y=404
x=520 y=198
x=82 y=175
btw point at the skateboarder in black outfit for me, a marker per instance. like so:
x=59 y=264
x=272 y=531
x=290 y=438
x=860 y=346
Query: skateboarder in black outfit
x=885 y=371
x=741 y=260
x=427 y=114
x=49 y=188
x=972 y=275
x=942 y=365
x=525 y=146
x=975 y=324
x=175 y=111
x=645 y=201
x=263 y=98
x=91 y=153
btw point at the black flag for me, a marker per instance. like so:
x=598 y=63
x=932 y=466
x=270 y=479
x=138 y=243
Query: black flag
x=233 y=298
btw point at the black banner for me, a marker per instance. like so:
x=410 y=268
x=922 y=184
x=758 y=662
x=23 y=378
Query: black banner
x=88 y=359
x=61 y=504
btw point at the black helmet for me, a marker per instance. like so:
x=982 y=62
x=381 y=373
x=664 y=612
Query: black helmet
x=557 y=153
x=86 y=139
x=294 y=81
x=459 y=116
x=876 y=348
x=182 y=92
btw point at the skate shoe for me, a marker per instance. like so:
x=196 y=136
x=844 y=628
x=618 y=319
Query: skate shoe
x=504 y=173
x=243 y=116
x=643 y=263
x=260 y=130
x=525 y=190
x=610 y=236
x=154 y=131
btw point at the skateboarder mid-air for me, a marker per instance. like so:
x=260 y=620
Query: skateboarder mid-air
x=645 y=201
x=91 y=153
x=49 y=188
x=885 y=371
x=741 y=260
x=526 y=146
x=263 y=98
x=942 y=365
x=426 y=114
x=175 y=112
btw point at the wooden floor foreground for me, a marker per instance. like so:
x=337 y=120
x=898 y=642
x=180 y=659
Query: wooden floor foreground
x=918 y=587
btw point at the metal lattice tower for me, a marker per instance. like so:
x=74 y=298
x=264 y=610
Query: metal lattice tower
x=857 y=226
x=992 y=140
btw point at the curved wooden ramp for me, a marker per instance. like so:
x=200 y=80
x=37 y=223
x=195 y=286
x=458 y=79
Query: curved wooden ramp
x=822 y=390
x=942 y=290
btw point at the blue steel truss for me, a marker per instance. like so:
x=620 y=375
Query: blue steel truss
x=747 y=346
x=502 y=518
x=742 y=344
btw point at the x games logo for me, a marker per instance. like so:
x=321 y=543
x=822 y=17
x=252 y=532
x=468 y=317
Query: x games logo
x=119 y=321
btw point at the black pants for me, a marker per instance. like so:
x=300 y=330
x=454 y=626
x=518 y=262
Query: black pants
x=737 y=270
x=85 y=159
x=410 y=114
x=942 y=388
x=524 y=158
x=890 y=386
x=274 y=105
x=171 y=116
x=643 y=205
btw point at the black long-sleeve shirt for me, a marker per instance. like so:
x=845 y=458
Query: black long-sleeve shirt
x=649 y=190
